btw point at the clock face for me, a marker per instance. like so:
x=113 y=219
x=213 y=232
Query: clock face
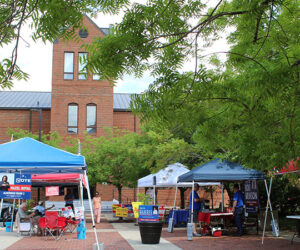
x=83 y=33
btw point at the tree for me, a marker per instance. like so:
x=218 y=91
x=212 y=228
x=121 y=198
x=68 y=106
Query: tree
x=48 y=19
x=120 y=158
x=246 y=109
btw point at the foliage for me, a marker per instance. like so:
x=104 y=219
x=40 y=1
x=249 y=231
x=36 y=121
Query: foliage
x=48 y=19
x=144 y=198
x=285 y=195
x=245 y=109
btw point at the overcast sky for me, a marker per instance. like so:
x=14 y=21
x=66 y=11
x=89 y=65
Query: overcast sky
x=35 y=58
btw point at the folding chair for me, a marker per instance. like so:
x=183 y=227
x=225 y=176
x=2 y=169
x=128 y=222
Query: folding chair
x=25 y=226
x=51 y=224
x=72 y=225
x=62 y=226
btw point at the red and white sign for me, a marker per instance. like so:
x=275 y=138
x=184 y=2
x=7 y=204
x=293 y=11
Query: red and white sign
x=52 y=191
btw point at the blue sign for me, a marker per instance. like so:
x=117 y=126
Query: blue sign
x=251 y=196
x=15 y=186
x=148 y=213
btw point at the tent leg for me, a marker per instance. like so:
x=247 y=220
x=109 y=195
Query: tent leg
x=81 y=196
x=222 y=205
x=154 y=196
x=12 y=216
x=191 y=226
x=1 y=205
x=91 y=208
x=171 y=221
x=267 y=208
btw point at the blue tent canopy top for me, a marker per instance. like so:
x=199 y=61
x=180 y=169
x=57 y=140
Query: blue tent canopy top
x=27 y=155
x=218 y=170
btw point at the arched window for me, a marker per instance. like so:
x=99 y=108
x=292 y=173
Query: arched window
x=91 y=118
x=73 y=118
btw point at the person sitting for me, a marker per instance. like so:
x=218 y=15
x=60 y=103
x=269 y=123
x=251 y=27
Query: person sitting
x=40 y=209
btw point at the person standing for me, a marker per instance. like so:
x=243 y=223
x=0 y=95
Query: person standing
x=97 y=207
x=196 y=203
x=69 y=199
x=238 y=207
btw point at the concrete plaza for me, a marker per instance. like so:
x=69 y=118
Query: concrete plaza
x=125 y=235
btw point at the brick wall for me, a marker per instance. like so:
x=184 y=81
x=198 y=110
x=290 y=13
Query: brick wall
x=77 y=91
x=20 y=119
x=126 y=121
x=165 y=196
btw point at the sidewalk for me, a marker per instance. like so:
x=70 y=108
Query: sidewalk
x=125 y=235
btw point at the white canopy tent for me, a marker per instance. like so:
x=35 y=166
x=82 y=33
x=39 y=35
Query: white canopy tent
x=167 y=177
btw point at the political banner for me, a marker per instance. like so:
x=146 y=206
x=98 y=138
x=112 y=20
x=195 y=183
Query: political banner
x=251 y=196
x=148 y=213
x=15 y=186
x=122 y=212
x=135 y=206
x=52 y=191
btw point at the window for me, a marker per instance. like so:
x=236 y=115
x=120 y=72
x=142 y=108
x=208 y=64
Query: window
x=69 y=66
x=91 y=118
x=82 y=60
x=73 y=118
x=96 y=76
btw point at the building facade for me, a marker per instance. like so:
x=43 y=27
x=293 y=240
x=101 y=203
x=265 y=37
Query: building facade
x=79 y=103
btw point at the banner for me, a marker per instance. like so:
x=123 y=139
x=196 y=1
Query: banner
x=52 y=191
x=79 y=213
x=121 y=212
x=251 y=196
x=148 y=213
x=15 y=186
x=135 y=206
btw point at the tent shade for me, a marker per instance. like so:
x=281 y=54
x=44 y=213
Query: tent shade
x=290 y=167
x=167 y=177
x=27 y=155
x=217 y=170
x=75 y=178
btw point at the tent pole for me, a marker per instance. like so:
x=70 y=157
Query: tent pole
x=91 y=207
x=154 y=196
x=267 y=208
x=1 y=204
x=81 y=193
x=174 y=202
x=222 y=206
x=12 y=217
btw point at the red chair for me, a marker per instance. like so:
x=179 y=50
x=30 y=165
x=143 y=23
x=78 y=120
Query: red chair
x=62 y=225
x=51 y=224
x=72 y=225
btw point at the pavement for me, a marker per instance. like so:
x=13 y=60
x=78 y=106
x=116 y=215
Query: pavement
x=125 y=235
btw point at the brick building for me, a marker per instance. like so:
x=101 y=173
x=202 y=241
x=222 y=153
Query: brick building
x=79 y=103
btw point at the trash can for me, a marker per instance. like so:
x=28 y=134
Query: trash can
x=150 y=232
x=9 y=226
x=101 y=246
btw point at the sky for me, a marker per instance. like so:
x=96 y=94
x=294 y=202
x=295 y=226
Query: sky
x=35 y=58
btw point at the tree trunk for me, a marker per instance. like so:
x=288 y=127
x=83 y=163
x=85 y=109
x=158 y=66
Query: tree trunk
x=230 y=193
x=120 y=193
x=182 y=191
x=212 y=197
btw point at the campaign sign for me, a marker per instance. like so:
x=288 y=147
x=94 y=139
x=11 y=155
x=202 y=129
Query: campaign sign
x=15 y=186
x=52 y=191
x=251 y=196
x=148 y=213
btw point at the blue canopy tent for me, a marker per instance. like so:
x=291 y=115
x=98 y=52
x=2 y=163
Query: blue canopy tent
x=28 y=156
x=221 y=171
x=217 y=170
x=33 y=157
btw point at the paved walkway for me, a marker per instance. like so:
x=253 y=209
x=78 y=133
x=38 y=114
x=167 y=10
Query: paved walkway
x=125 y=235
